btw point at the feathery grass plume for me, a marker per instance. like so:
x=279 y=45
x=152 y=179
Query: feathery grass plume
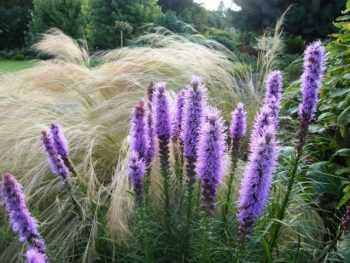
x=34 y=256
x=21 y=220
x=192 y=122
x=256 y=182
x=314 y=67
x=178 y=116
x=162 y=124
x=57 y=165
x=138 y=131
x=238 y=131
x=136 y=172
x=273 y=95
x=211 y=159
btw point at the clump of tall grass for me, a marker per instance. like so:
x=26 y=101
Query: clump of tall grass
x=105 y=201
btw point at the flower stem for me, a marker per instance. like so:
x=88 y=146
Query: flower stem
x=292 y=176
x=234 y=157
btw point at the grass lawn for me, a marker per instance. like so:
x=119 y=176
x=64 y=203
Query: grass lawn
x=14 y=65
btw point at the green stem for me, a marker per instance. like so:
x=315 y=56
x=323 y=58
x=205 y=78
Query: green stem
x=234 y=156
x=189 y=198
x=165 y=173
x=292 y=176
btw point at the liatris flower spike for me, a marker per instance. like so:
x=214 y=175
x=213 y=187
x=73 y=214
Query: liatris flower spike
x=60 y=144
x=136 y=172
x=59 y=140
x=273 y=94
x=192 y=122
x=34 y=256
x=238 y=124
x=20 y=218
x=211 y=159
x=238 y=130
x=314 y=66
x=162 y=126
x=150 y=126
x=138 y=131
x=178 y=118
x=256 y=182
x=56 y=163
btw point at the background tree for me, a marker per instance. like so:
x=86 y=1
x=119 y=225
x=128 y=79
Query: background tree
x=63 y=14
x=15 y=17
x=175 y=5
x=311 y=18
x=104 y=13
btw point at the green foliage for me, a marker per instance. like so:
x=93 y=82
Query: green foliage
x=15 y=16
x=310 y=19
x=102 y=32
x=63 y=14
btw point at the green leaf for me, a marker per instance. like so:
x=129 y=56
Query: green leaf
x=267 y=251
x=342 y=153
x=345 y=198
x=344 y=117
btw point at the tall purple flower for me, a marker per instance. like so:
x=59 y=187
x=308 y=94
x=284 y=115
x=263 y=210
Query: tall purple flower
x=162 y=126
x=210 y=163
x=178 y=118
x=136 y=172
x=34 y=256
x=238 y=127
x=192 y=122
x=150 y=125
x=257 y=179
x=273 y=95
x=138 y=131
x=314 y=66
x=60 y=144
x=263 y=120
x=21 y=220
x=59 y=140
x=162 y=113
x=57 y=165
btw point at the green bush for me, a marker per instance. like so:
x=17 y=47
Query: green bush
x=63 y=14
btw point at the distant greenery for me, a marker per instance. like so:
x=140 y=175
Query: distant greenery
x=13 y=66
x=14 y=23
x=102 y=31
x=63 y=14
x=311 y=19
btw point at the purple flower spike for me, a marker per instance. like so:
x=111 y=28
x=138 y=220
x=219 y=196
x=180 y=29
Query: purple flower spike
x=178 y=118
x=210 y=163
x=56 y=163
x=34 y=256
x=138 y=133
x=150 y=125
x=263 y=120
x=162 y=112
x=136 y=172
x=59 y=140
x=273 y=96
x=20 y=218
x=193 y=117
x=256 y=182
x=274 y=84
x=314 y=66
x=238 y=124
